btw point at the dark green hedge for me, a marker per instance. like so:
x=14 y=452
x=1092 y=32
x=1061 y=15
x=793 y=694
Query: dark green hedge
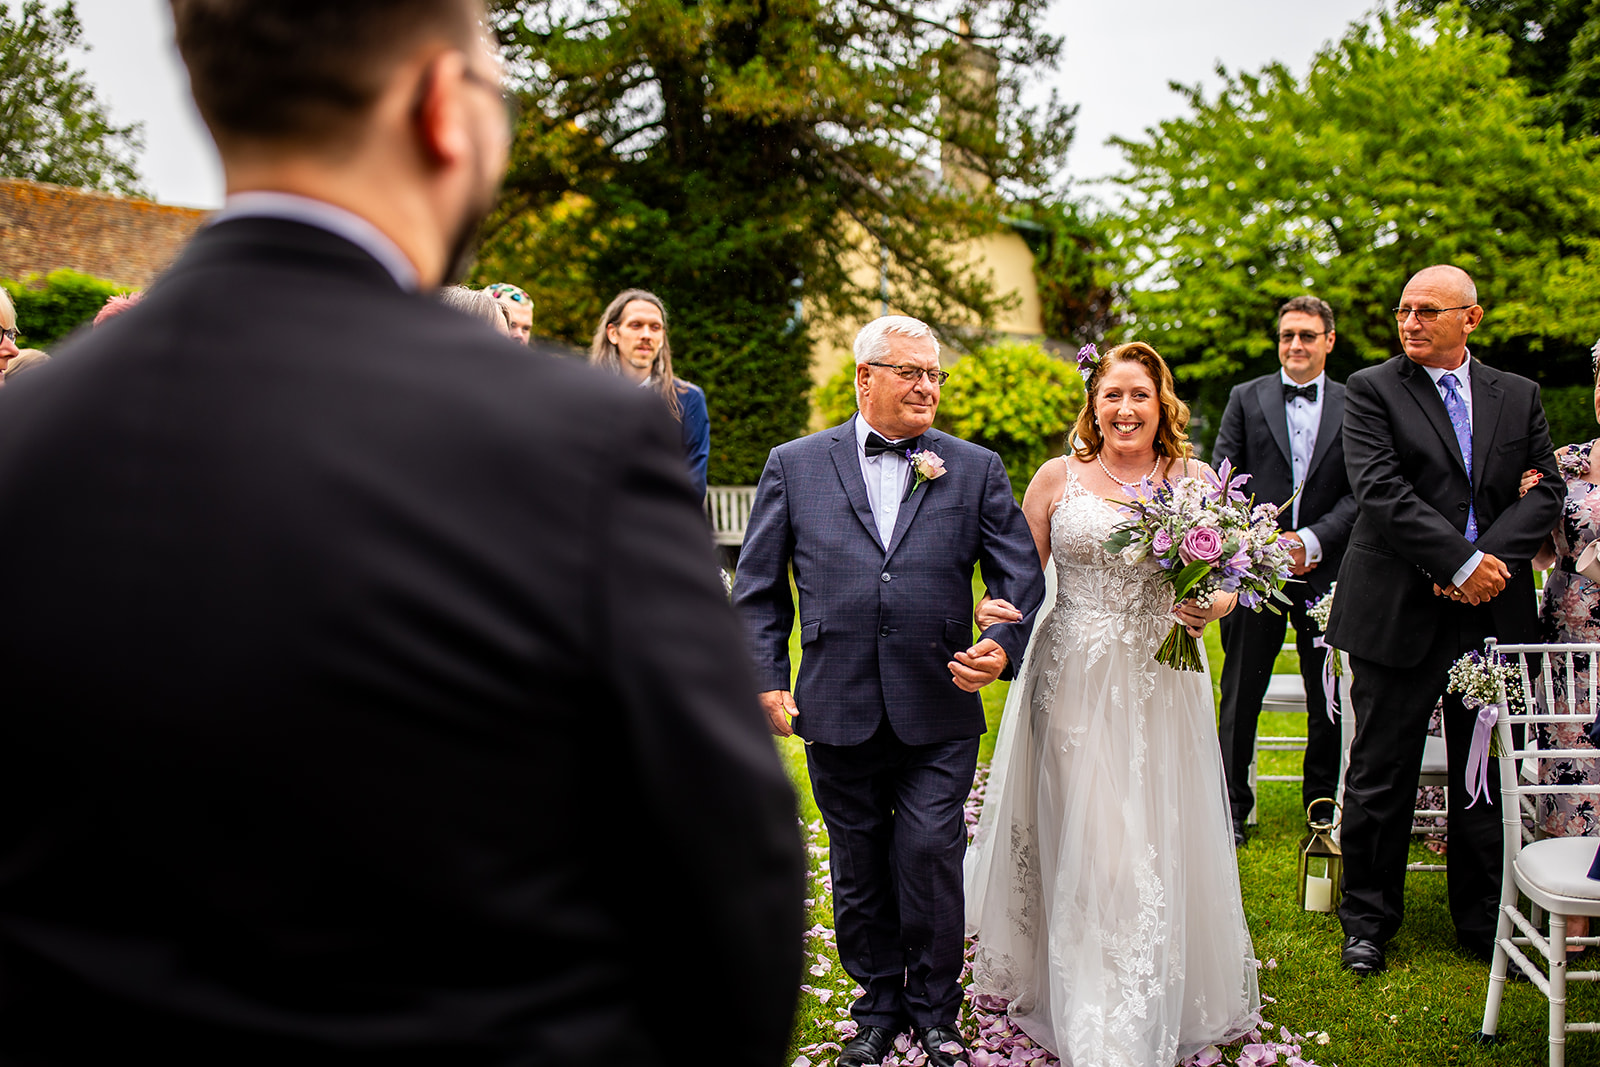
x=50 y=309
x=1570 y=412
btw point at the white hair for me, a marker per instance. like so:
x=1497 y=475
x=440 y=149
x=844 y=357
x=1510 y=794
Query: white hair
x=872 y=343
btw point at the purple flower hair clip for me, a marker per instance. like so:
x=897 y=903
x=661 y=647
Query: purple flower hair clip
x=1088 y=359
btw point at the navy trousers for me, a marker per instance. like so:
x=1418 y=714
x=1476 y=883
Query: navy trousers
x=896 y=841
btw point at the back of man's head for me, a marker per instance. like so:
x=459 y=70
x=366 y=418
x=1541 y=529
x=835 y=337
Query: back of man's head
x=303 y=73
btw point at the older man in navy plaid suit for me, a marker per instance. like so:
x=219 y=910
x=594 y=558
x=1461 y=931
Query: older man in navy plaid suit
x=883 y=520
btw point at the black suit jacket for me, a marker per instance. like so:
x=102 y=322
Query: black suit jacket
x=369 y=696
x=1255 y=435
x=1412 y=492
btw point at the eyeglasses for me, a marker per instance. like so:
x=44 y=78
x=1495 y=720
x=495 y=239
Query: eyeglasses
x=1287 y=337
x=910 y=372
x=1426 y=314
x=9 y=335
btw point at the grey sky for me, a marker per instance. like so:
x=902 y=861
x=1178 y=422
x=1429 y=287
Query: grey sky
x=1120 y=55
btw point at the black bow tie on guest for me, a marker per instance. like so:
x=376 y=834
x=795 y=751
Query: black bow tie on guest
x=877 y=446
x=1290 y=391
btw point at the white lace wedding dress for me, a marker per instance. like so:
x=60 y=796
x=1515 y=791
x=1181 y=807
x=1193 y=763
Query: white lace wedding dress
x=1102 y=887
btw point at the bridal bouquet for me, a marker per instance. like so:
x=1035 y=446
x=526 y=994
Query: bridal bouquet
x=1210 y=539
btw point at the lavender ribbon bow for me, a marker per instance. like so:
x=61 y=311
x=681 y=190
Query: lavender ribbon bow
x=1329 y=690
x=1477 y=782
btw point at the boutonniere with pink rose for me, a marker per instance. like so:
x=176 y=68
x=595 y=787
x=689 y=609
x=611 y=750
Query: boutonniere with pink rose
x=927 y=465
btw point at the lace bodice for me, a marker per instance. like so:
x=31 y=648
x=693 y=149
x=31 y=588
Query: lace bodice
x=1100 y=599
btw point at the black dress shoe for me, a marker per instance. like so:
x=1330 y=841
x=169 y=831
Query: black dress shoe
x=1238 y=834
x=868 y=1048
x=1361 y=957
x=933 y=1040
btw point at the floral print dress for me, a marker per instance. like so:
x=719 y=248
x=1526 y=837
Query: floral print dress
x=1571 y=614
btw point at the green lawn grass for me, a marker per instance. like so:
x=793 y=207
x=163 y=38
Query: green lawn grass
x=1425 y=1010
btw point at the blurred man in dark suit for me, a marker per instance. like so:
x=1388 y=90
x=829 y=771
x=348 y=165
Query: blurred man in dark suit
x=1283 y=430
x=367 y=711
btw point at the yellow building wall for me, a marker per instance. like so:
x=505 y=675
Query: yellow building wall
x=1009 y=263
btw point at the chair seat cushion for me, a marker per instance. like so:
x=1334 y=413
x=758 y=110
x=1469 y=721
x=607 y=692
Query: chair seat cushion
x=1285 y=692
x=1559 y=866
x=1434 y=759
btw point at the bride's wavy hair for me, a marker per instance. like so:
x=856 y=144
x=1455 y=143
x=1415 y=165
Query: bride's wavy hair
x=1171 y=440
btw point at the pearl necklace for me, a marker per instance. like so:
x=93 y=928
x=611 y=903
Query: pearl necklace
x=1126 y=485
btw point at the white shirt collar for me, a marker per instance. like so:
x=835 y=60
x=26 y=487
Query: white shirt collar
x=336 y=220
x=1460 y=372
x=862 y=429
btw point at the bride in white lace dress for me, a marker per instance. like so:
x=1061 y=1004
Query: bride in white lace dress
x=1102 y=887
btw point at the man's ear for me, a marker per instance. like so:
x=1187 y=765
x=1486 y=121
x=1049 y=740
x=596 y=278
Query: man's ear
x=440 y=121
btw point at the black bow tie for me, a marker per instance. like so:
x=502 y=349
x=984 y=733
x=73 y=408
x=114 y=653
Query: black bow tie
x=1290 y=391
x=877 y=446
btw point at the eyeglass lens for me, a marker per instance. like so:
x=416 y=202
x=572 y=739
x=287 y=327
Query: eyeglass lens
x=1306 y=336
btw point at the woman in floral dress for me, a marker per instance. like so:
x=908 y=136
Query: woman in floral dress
x=1570 y=614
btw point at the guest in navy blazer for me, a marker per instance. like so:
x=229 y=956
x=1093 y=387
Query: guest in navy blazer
x=882 y=520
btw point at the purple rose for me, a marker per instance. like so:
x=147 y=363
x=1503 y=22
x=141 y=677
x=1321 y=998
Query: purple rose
x=1161 y=543
x=1201 y=544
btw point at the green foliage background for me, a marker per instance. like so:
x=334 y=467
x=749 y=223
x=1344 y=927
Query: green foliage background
x=767 y=169
x=1570 y=412
x=1011 y=397
x=52 y=126
x=1404 y=145
x=51 y=308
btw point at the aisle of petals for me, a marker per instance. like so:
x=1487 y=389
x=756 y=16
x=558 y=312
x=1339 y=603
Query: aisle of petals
x=995 y=1041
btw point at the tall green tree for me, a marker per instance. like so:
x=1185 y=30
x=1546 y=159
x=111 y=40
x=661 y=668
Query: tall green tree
x=52 y=126
x=766 y=166
x=1404 y=145
x=1555 y=48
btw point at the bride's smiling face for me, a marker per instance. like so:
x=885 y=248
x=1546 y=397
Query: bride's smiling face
x=1128 y=407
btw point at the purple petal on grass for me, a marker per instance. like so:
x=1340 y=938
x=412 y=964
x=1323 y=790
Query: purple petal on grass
x=952 y=1047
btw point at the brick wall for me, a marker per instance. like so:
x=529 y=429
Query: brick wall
x=49 y=227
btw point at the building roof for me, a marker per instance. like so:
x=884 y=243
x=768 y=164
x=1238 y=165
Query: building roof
x=118 y=239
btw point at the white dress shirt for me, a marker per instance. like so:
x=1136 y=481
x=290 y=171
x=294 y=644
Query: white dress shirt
x=324 y=216
x=1464 y=387
x=885 y=476
x=1305 y=418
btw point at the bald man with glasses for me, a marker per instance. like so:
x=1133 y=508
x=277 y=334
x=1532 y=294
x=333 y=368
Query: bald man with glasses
x=1435 y=443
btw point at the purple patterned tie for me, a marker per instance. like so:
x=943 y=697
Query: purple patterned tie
x=1461 y=422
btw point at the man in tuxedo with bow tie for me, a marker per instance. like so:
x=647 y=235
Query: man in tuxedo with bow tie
x=1436 y=443
x=882 y=520
x=1284 y=431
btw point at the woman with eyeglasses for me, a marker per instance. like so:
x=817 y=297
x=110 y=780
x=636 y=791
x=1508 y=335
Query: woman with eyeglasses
x=8 y=330
x=631 y=340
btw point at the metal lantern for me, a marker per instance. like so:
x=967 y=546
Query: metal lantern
x=1321 y=862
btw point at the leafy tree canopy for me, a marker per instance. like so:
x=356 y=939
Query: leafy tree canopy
x=1405 y=145
x=52 y=127
x=1555 y=48
x=748 y=161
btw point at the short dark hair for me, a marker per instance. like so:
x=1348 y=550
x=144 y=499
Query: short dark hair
x=1309 y=305
x=302 y=72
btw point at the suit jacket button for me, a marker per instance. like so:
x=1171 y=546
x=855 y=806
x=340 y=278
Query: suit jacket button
x=1461 y=507
x=884 y=576
x=883 y=631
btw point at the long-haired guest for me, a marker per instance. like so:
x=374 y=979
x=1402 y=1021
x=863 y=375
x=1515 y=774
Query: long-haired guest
x=631 y=340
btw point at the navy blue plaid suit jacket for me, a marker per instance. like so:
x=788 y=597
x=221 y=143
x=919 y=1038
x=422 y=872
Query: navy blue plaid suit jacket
x=878 y=624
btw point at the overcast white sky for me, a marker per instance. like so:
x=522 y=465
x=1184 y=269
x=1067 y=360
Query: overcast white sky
x=1119 y=57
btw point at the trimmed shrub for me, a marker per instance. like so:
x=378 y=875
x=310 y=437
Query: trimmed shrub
x=51 y=308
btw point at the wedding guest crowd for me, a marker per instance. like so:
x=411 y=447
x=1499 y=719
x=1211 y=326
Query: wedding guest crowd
x=368 y=714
